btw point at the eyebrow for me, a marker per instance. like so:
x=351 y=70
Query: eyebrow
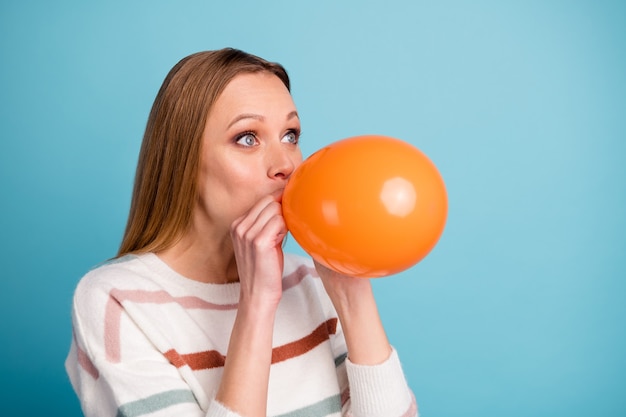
x=254 y=116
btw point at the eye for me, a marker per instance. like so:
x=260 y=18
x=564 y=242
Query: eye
x=291 y=137
x=246 y=139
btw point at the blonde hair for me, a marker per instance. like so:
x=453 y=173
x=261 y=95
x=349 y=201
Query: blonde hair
x=167 y=171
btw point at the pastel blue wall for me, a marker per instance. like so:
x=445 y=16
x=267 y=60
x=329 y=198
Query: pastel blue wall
x=520 y=309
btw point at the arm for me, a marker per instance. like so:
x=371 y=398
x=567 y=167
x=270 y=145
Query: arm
x=257 y=237
x=376 y=379
x=244 y=384
x=353 y=298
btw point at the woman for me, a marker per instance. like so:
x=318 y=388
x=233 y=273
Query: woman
x=201 y=313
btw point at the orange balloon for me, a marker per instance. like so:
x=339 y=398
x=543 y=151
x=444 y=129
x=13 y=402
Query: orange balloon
x=366 y=206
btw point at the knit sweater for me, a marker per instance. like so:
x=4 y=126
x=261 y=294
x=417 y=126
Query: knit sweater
x=150 y=342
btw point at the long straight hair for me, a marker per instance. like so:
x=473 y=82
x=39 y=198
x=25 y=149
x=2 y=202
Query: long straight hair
x=165 y=188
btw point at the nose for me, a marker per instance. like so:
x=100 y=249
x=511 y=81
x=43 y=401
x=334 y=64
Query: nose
x=282 y=161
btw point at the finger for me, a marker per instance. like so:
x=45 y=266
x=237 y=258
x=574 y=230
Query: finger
x=273 y=231
x=249 y=217
x=252 y=224
x=266 y=228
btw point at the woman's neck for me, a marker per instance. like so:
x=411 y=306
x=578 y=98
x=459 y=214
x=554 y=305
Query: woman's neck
x=203 y=257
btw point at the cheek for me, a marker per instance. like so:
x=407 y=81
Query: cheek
x=226 y=190
x=297 y=159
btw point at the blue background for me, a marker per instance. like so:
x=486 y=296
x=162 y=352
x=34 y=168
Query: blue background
x=519 y=310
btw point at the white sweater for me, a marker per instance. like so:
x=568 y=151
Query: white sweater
x=150 y=342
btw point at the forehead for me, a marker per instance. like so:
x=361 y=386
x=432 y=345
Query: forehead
x=253 y=92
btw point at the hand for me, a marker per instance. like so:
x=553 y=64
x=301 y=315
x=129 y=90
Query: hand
x=257 y=242
x=337 y=284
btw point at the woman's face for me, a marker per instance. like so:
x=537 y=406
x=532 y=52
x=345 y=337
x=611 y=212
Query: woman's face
x=249 y=147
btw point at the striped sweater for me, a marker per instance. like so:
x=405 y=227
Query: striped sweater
x=150 y=342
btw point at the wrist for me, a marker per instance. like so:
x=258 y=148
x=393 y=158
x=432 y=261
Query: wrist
x=349 y=295
x=257 y=309
x=259 y=298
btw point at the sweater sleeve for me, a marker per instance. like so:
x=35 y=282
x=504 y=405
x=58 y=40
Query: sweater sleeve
x=140 y=382
x=379 y=390
x=217 y=409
